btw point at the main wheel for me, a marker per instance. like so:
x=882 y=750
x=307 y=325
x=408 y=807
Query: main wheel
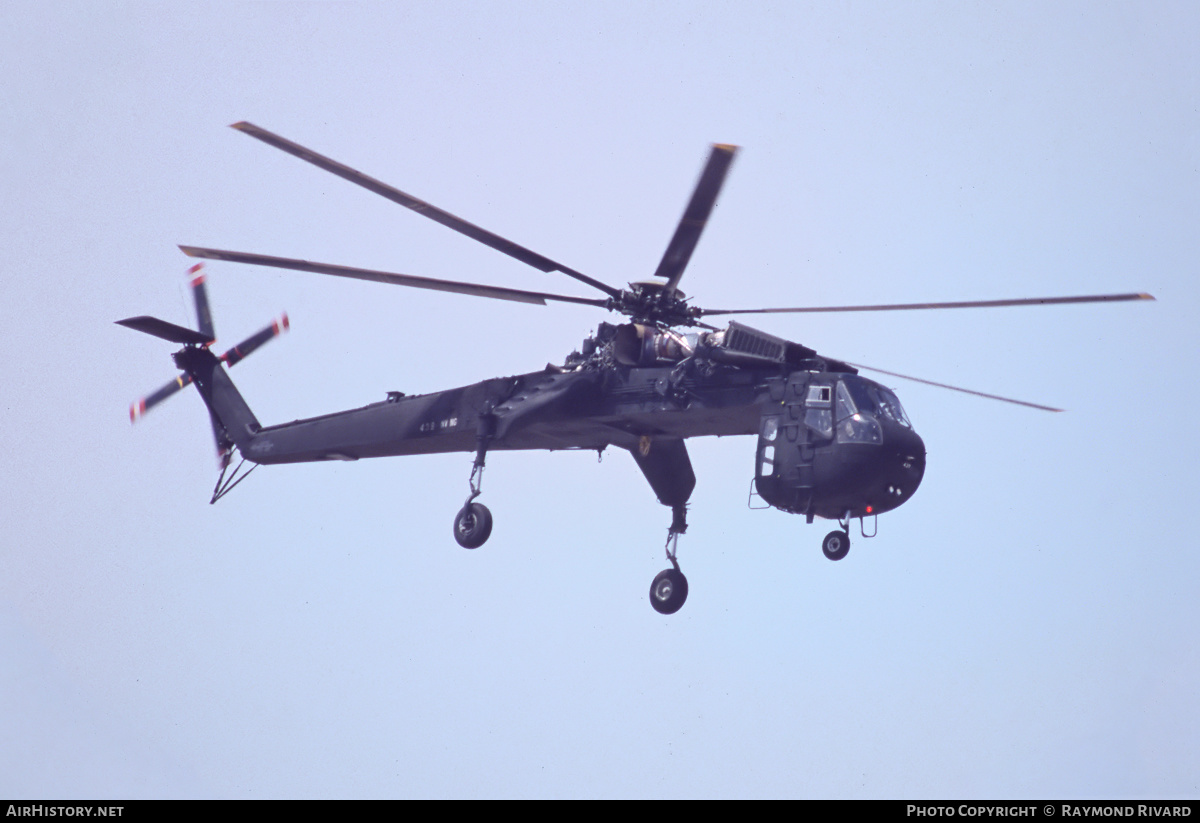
x=836 y=545
x=668 y=591
x=472 y=525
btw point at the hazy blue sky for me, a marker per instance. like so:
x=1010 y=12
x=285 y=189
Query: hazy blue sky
x=1025 y=626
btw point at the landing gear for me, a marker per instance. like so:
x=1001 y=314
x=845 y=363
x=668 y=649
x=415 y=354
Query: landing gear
x=669 y=590
x=472 y=525
x=836 y=545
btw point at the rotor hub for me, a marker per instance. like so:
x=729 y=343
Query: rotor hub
x=655 y=303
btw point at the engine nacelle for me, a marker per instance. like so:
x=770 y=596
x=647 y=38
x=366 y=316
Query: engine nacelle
x=638 y=345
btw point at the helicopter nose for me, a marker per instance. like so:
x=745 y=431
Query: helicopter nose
x=906 y=467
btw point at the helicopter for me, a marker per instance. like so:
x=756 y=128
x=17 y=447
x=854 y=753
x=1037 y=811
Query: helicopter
x=831 y=443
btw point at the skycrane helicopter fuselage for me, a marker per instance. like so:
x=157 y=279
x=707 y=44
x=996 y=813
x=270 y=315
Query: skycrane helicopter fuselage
x=830 y=442
x=852 y=456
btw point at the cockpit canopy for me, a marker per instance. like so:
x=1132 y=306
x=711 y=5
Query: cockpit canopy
x=868 y=396
x=851 y=408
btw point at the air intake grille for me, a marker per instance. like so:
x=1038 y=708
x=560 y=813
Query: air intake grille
x=750 y=341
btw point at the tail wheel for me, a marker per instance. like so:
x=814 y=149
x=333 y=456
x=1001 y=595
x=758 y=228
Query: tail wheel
x=472 y=525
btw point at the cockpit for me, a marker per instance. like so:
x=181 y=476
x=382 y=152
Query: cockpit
x=837 y=445
x=851 y=409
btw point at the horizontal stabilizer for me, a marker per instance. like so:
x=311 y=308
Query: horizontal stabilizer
x=165 y=330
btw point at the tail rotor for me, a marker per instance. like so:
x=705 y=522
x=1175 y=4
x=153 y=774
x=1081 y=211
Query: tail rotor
x=202 y=339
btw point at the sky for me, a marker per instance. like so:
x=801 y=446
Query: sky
x=1024 y=626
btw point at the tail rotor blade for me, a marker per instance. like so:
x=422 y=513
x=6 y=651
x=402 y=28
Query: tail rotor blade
x=138 y=410
x=200 y=295
x=164 y=330
x=243 y=349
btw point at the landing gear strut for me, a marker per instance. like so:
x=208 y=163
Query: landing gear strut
x=669 y=590
x=473 y=523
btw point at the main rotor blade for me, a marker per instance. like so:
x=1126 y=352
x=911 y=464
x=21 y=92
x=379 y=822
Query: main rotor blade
x=964 y=304
x=955 y=388
x=479 y=290
x=687 y=233
x=447 y=219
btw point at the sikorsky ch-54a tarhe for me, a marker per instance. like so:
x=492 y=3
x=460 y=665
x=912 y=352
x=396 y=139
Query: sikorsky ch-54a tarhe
x=831 y=443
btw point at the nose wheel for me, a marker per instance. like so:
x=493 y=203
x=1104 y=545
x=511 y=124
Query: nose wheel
x=836 y=545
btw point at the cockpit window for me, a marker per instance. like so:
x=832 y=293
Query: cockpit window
x=874 y=399
x=889 y=406
x=770 y=428
x=845 y=404
x=820 y=421
x=818 y=396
